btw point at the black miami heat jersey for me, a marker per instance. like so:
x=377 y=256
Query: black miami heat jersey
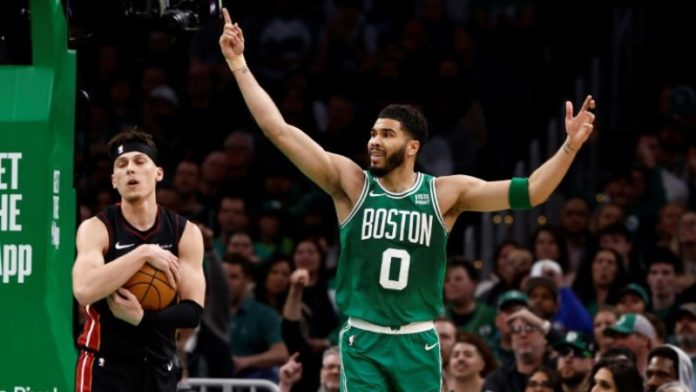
x=115 y=338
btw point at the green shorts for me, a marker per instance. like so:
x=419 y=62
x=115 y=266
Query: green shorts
x=376 y=358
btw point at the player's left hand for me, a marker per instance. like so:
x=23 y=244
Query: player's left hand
x=579 y=127
x=125 y=306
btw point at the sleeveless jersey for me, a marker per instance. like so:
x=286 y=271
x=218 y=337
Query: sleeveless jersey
x=115 y=338
x=391 y=268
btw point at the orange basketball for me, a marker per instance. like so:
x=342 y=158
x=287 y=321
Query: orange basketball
x=152 y=288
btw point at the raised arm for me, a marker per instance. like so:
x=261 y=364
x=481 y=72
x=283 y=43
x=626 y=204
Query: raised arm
x=93 y=279
x=333 y=173
x=460 y=193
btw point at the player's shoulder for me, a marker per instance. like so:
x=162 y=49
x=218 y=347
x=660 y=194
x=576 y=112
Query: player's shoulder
x=92 y=231
x=456 y=180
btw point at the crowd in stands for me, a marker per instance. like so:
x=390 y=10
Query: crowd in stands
x=604 y=296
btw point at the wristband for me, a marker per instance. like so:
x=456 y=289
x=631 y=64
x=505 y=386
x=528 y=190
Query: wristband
x=518 y=194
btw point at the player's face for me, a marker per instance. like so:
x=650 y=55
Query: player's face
x=465 y=361
x=135 y=176
x=388 y=146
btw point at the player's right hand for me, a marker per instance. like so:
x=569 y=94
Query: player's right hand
x=231 y=39
x=164 y=261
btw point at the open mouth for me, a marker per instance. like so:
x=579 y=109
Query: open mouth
x=132 y=182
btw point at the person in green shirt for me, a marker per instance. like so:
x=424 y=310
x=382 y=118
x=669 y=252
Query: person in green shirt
x=465 y=312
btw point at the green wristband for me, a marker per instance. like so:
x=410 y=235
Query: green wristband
x=519 y=193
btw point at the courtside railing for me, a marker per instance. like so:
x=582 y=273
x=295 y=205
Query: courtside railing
x=202 y=384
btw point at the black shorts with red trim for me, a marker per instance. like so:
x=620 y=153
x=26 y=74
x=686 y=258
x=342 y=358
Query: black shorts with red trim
x=95 y=373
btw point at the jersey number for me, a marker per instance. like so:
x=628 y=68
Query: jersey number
x=405 y=263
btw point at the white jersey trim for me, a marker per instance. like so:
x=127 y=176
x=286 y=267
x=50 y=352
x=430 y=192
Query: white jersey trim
x=407 y=192
x=436 y=205
x=361 y=200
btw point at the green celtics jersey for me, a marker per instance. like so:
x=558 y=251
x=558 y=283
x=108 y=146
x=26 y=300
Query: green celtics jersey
x=392 y=263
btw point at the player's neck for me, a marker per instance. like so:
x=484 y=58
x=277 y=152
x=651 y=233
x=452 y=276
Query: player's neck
x=141 y=214
x=399 y=179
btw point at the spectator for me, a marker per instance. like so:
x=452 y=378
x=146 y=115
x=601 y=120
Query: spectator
x=604 y=215
x=231 y=217
x=543 y=379
x=468 y=364
x=618 y=238
x=271 y=236
x=605 y=274
x=274 y=283
x=465 y=312
x=514 y=268
x=668 y=363
x=547 y=243
x=605 y=318
x=329 y=378
x=663 y=266
x=508 y=303
x=240 y=243
x=685 y=330
x=213 y=173
x=633 y=299
x=575 y=225
x=634 y=332
x=614 y=376
x=446 y=334
x=255 y=329
x=575 y=360
x=529 y=347
x=500 y=268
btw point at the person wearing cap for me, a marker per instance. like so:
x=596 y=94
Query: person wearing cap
x=462 y=308
x=554 y=302
x=575 y=360
x=636 y=333
x=668 y=363
x=633 y=299
x=509 y=303
x=685 y=330
x=528 y=341
x=270 y=235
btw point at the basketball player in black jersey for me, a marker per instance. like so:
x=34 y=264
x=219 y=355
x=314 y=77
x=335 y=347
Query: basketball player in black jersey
x=123 y=347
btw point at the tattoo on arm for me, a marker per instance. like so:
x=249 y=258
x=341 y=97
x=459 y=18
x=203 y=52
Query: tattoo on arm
x=568 y=149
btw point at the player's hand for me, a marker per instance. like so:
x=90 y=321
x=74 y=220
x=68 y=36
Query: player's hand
x=125 y=306
x=300 y=277
x=290 y=372
x=579 y=127
x=231 y=39
x=164 y=261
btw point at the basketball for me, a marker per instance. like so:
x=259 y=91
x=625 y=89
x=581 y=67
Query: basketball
x=151 y=287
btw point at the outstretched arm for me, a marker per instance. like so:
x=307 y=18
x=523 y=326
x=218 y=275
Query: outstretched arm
x=459 y=193
x=333 y=173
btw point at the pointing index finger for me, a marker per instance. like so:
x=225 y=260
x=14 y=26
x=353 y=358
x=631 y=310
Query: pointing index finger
x=586 y=104
x=226 y=15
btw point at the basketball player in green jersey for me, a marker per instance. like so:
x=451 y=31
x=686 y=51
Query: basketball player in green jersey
x=394 y=224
